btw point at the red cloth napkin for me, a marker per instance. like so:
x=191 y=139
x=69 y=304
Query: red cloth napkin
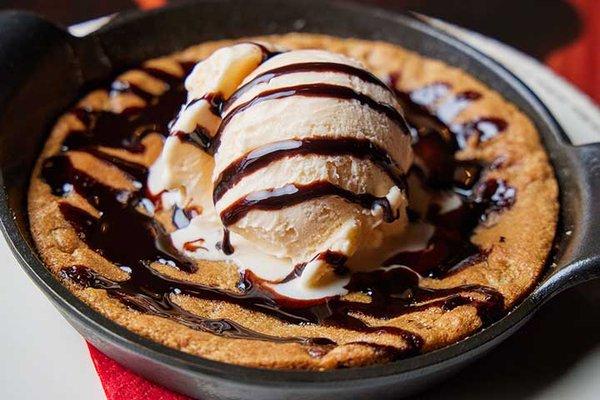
x=121 y=384
x=577 y=62
x=580 y=61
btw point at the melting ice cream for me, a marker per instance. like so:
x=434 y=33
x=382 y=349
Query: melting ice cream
x=291 y=165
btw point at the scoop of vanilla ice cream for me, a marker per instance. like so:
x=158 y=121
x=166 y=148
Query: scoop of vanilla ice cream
x=271 y=242
x=181 y=167
x=301 y=231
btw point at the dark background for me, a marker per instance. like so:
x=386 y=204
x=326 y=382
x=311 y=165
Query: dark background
x=562 y=33
x=535 y=26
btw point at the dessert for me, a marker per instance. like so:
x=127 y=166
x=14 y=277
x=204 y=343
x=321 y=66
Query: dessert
x=303 y=201
x=305 y=168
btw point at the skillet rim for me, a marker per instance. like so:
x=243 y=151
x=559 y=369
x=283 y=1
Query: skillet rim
x=187 y=363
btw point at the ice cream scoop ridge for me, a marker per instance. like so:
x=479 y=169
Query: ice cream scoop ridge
x=293 y=163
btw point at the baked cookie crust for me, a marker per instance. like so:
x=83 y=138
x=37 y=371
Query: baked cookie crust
x=518 y=240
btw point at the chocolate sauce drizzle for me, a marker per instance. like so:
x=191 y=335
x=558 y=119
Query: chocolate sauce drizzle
x=150 y=292
x=214 y=99
x=123 y=232
x=266 y=53
x=269 y=153
x=333 y=258
x=126 y=234
x=295 y=193
x=225 y=244
x=126 y=130
x=435 y=145
x=199 y=137
x=484 y=129
x=433 y=107
x=266 y=76
x=311 y=90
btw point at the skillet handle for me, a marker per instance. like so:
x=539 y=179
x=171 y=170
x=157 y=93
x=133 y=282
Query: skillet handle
x=589 y=156
x=583 y=251
x=27 y=42
x=31 y=45
x=42 y=70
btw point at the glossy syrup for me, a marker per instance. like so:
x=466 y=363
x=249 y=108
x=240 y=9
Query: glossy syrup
x=295 y=193
x=263 y=156
x=126 y=130
x=310 y=90
x=428 y=110
x=225 y=244
x=126 y=233
x=267 y=76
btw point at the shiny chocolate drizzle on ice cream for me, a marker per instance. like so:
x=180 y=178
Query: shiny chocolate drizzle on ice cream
x=126 y=233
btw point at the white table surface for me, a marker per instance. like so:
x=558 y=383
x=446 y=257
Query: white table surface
x=555 y=356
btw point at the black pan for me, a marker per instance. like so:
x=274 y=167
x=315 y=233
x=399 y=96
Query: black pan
x=43 y=70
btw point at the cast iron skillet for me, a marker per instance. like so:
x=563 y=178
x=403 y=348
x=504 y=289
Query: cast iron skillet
x=43 y=70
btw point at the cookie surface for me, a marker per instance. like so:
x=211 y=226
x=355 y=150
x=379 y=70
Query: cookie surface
x=517 y=240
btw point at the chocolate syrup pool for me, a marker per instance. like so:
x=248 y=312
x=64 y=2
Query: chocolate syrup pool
x=126 y=233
